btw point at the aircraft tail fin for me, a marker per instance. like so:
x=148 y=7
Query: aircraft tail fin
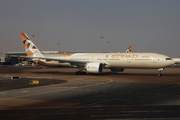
x=30 y=48
x=129 y=49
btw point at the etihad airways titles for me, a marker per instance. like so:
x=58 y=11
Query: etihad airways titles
x=128 y=56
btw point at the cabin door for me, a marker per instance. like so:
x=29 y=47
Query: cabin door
x=155 y=60
x=129 y=60
x=92 y=58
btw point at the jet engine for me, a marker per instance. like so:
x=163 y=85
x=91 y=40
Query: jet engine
x=117 y=69
x=94 y=67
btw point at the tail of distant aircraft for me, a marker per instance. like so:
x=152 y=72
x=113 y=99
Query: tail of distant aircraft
x=30 y=48
x=129 y=49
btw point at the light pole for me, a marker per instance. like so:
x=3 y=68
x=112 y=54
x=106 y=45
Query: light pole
x=108 y=46
x=101 y=44
x=59 y=47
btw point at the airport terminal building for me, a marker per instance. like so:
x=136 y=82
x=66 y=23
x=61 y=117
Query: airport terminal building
x=7 y=59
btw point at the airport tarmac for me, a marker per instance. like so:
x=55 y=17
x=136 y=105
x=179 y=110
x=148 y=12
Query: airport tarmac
x=60 y=94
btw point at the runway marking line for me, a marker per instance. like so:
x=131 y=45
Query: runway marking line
x=167 y=87
x=132 y=94
x=6 y=75
x=59 y=76
x=106 y=100
x=46 y=86
x=110 y=80
x=66 y=87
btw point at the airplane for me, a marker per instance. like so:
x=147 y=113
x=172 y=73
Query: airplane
x=96 y=62
x=129 y=49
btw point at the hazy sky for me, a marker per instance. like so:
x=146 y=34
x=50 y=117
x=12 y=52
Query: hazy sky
x=147 y=25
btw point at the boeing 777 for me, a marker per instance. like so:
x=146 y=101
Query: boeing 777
x=96 y=62
x=129 y=49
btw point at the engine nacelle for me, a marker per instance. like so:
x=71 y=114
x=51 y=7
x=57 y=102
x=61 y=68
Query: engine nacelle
x=117 y=69
x=94 y=67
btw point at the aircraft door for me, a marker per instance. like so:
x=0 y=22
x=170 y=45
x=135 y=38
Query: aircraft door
x=92 y=58
x=129 y=60
x=155 y=60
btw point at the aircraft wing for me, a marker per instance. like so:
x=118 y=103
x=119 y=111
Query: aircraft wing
x=74 y=62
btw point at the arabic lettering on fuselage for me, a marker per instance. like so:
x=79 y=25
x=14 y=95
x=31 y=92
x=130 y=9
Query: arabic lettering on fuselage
x=125 y=56
x=129 y=56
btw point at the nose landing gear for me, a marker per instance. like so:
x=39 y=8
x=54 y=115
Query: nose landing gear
x=159 y=74
x=160 y=70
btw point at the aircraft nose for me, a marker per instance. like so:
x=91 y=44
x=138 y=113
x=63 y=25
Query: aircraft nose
x=171 y=62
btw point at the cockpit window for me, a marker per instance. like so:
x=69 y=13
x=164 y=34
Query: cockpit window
x=168 y=59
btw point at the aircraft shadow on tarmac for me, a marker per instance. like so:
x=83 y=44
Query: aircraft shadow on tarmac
x=105 y=73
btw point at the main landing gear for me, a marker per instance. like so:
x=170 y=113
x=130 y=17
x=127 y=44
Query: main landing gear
x=80 y=73
x=160 y=70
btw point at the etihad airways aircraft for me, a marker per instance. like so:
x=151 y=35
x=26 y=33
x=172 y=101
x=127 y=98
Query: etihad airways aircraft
x=96 y=62
x=129 y=49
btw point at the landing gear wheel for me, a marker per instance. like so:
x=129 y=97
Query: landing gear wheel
x=80 y=73
x=159 y=74
x=160 y=70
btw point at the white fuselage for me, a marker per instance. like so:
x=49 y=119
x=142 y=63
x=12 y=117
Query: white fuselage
x=115 y=60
